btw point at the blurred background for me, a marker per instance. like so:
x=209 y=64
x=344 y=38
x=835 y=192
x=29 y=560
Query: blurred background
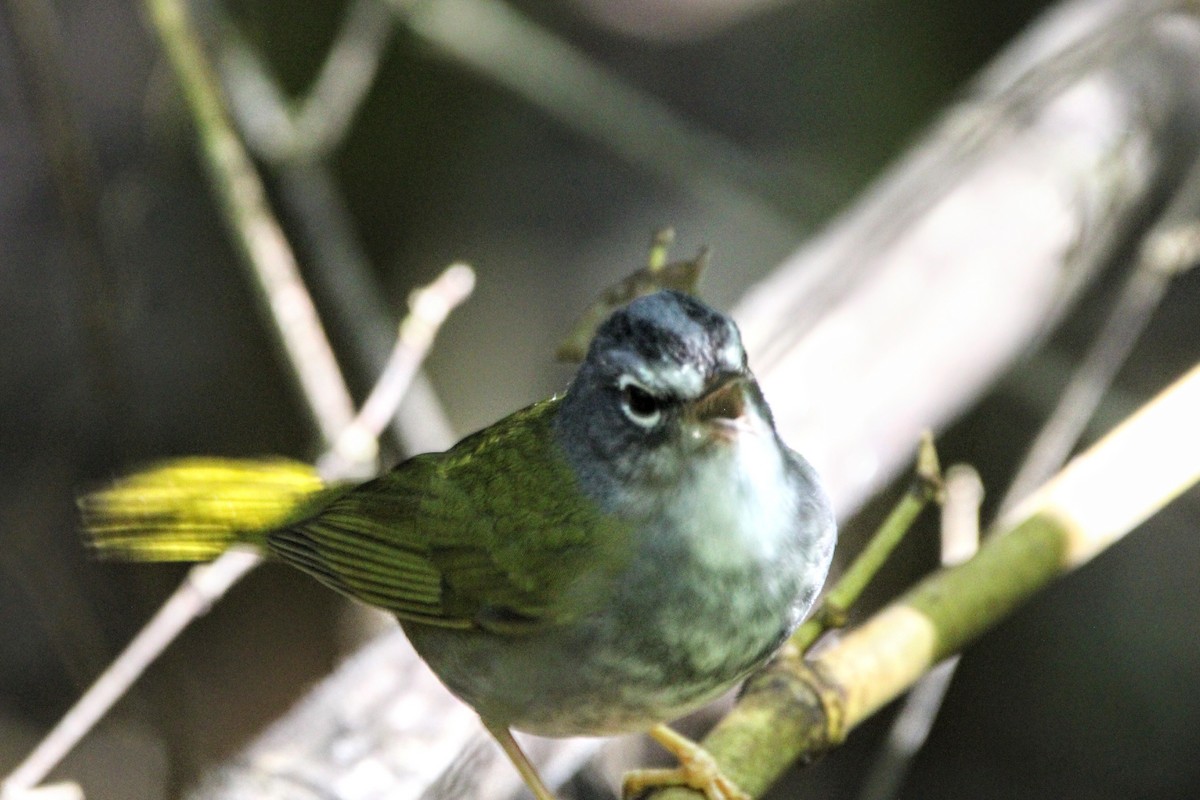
x=129 y=332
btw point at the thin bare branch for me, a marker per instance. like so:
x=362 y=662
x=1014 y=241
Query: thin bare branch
x=287 y=139
x=266 y=250
x=428 y=308
x=1171 y=247
x=203 y=586
x=308 y=131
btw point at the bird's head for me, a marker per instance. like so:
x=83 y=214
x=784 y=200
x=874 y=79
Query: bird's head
x=665 y=386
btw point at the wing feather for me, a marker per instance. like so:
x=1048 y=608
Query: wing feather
x=491 y=533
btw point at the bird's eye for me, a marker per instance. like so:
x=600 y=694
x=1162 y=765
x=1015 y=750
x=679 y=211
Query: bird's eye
x=639 y=404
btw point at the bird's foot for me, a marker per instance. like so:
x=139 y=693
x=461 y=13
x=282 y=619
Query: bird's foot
x=697 y=770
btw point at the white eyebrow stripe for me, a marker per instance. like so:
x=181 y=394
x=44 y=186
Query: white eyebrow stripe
x=680 y=380
x=732 y=355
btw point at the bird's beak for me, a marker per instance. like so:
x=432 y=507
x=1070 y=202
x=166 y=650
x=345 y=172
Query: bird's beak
x=721 y=411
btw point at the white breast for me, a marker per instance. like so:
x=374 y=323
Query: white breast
x=737 y=501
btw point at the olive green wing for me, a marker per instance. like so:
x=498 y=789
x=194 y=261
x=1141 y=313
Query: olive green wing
x=491 y=534
x=370 y=544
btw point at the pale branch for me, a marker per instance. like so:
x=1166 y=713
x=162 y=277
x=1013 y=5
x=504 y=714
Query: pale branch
x=971 y=247
x=286 y=132
x=429 y=306
x=203 y=586
x=1168 y=249
x=254 y=228
x=358 y=444
x=279 y=132
x=962 y=498
x=341 y=275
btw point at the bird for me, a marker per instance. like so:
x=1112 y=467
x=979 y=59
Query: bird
x=601 y=562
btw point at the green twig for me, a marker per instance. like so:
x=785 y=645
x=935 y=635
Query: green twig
x=926 y=486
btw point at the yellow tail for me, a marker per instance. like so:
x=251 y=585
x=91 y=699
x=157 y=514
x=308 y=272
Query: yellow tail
x=194 y=509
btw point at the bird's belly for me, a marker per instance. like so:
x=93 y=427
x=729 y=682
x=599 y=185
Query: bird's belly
x=652 y=654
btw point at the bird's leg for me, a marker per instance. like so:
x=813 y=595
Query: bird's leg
x=696 y=769
x=529 y=773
